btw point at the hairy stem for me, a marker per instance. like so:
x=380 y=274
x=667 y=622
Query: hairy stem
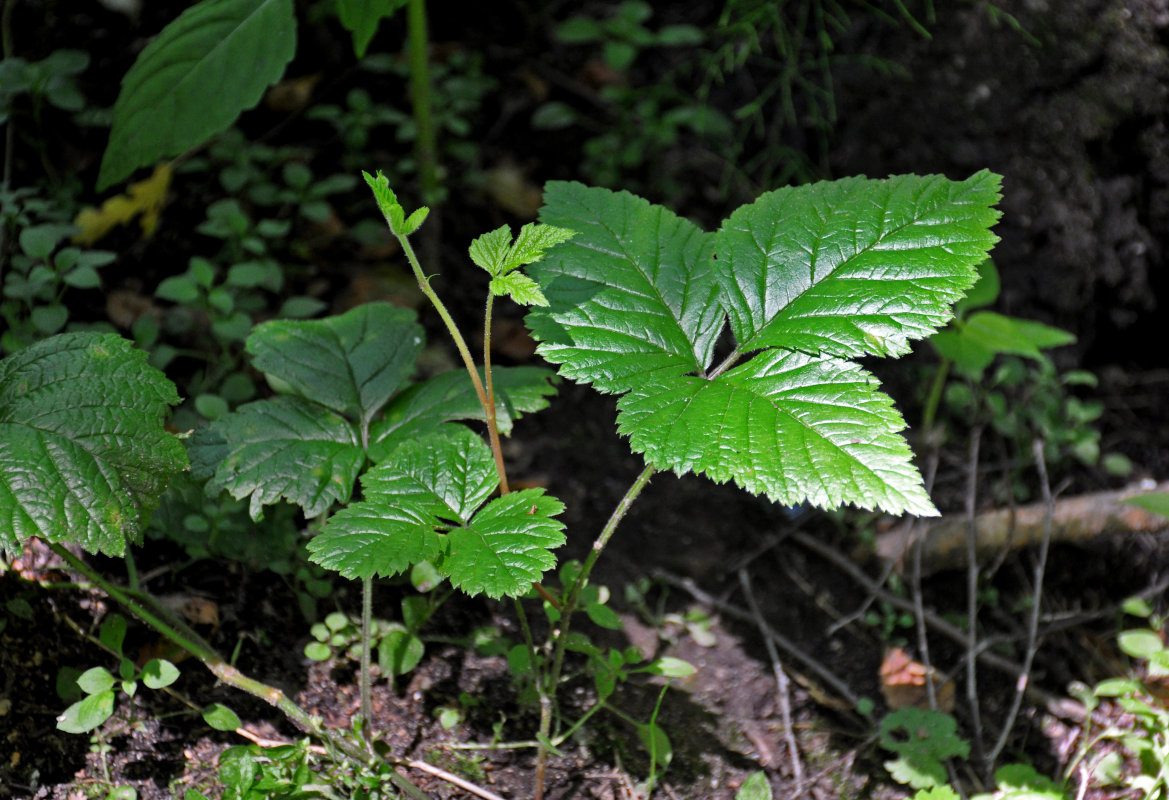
x=366 y=645
x=489 y=408
x=464 y=353
x=548 y=697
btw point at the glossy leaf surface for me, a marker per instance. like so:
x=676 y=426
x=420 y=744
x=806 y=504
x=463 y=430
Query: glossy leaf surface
x=808 y=278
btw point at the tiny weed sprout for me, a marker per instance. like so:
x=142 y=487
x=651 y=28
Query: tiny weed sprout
x=739 y=366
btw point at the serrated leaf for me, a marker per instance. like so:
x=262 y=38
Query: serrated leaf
x=854 y=267
x=422 y=408
x=632 y=295
x=428 y=485
x=489 y=250
x=810 y=276
x=83 y=451
x=351 y=364
x=507 y=546
x=286 y=447
x=533 y=242
x=785 y=424
x=195 y=78
x=520 y=288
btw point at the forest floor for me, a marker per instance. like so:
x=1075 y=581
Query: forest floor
x=681 y=568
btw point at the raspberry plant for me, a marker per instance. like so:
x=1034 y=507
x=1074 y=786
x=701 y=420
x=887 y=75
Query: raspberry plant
x=733 y=353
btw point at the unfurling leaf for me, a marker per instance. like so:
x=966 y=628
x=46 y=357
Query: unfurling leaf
x=808 y=279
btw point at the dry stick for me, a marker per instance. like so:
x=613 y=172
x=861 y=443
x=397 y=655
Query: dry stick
x=451 y=778
x=1033 y=622
x=972 y=601
x=822 y=672
x=781 y=681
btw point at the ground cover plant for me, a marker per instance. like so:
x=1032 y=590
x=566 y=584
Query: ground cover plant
x=419 y=559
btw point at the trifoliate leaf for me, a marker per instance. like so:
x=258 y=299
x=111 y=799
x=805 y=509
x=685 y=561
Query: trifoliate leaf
x=854 y=267
x=428 y=484
x=507 y=545
x=287 y=448
x=632 y=295
x=810 y=276
x=83 y=451
x=520 y=288
x=351 y=364
x=496 y=253
x=421 y=408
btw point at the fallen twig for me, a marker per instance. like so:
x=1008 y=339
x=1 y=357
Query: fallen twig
x=1073 y=519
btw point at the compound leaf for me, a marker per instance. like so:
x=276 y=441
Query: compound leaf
x=83 y=451
x=429 y=484
x=810 y=277
x=632 y=294
x=195 y=78
x=856 y=266
x=286 y=447
x=507 y=545
x=351 y=364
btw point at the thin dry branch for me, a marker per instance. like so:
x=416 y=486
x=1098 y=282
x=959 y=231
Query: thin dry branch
x=1074 y=519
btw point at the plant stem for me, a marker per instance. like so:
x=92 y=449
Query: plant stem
x=465 y=354
x=935 y=396
x=366 y=678
x=490 y=409
x=162 y=621
x=420 y=95
x=548 y=697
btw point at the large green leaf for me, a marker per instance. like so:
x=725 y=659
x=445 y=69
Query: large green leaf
x=807 y=278
x=195 y=78
x=290 y=448
x=854 y=267
x=351 y=364
x=83 y=451
x=421 y=505
x=786 y=424
x=632 y=295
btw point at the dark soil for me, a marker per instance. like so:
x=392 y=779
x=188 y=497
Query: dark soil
x=1076 y=124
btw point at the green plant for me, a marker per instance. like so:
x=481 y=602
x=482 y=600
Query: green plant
x=38 y=279
x=626 y=296
x=923 y=740
x=1024 y=396
x=100 y=687
x=1140 y=695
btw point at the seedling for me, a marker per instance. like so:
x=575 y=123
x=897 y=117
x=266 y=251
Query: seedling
x=733 y=353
